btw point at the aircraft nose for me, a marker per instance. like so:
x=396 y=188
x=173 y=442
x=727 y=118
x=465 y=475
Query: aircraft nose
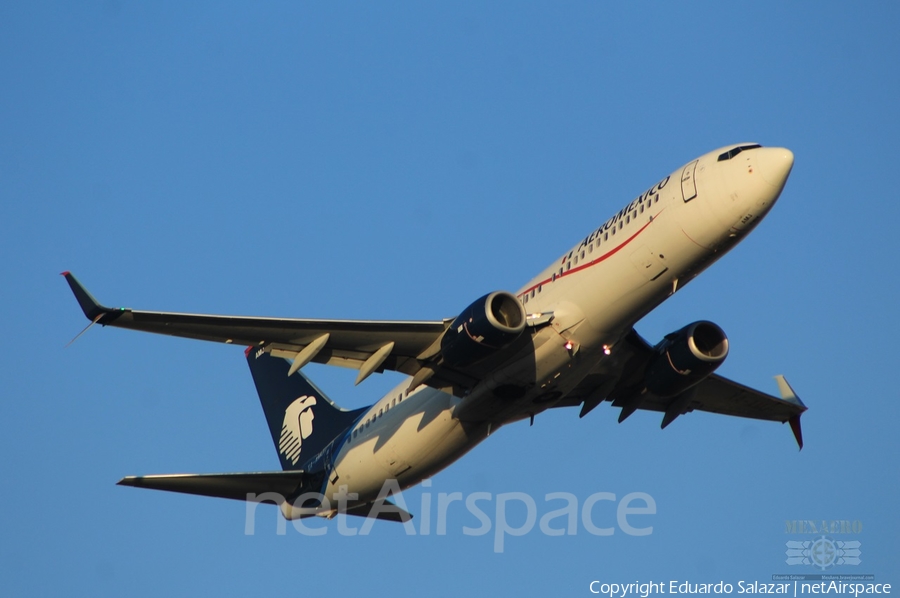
x=774 y=164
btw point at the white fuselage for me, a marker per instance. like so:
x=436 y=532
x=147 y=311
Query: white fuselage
x=596 y=292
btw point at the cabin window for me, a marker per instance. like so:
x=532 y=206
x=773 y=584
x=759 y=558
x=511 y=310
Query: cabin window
x=576 y=260
x=642 y=208
x=394 y=402
x=582 y=255
x=627 y=219
x=540 y=287
x=605 y=236
x=591 y=248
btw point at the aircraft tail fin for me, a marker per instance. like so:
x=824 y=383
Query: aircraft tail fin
x=302 y=420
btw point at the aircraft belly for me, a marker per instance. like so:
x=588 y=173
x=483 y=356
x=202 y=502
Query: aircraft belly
x=421 y=445
x=444 y=450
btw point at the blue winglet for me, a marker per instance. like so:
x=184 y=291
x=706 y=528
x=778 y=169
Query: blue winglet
x=795 y=428
x=788 y=395
x=90 y=306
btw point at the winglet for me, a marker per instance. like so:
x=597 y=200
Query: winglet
x=90 y=306
x=795 y=428
x=788 y=395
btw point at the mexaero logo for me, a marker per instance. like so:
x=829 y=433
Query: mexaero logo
x=297 y=426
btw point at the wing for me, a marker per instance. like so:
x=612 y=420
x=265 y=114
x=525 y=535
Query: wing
x=368 y=346
x=618 y=379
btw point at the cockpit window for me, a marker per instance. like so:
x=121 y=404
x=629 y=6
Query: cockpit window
x=734 y=152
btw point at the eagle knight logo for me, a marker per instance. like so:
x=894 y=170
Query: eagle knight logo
x=297 y=426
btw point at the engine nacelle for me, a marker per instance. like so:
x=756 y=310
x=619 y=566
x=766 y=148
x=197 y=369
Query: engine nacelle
x=488 y=325
x=685 y=357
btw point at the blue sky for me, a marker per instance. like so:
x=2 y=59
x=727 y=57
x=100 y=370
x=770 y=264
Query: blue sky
x=397 y=161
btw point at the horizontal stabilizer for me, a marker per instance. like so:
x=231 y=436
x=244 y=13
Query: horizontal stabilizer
x=269 y=486
x=237 y=486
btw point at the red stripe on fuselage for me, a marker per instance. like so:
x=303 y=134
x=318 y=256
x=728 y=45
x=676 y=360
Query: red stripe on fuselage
x=594 y=262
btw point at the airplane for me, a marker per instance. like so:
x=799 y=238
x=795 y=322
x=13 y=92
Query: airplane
x=565 y=339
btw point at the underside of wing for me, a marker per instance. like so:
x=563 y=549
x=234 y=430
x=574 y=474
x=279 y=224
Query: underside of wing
x=619 y=379
x=721 y=395
x=367 y=346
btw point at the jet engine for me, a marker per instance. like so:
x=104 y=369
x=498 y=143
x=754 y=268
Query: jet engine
x=490 y=324
x=685 y=357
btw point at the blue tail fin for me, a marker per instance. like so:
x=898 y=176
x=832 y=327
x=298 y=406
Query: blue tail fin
x=302 y=420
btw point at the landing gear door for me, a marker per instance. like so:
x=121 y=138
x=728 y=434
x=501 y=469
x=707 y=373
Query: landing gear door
x=688 y=184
